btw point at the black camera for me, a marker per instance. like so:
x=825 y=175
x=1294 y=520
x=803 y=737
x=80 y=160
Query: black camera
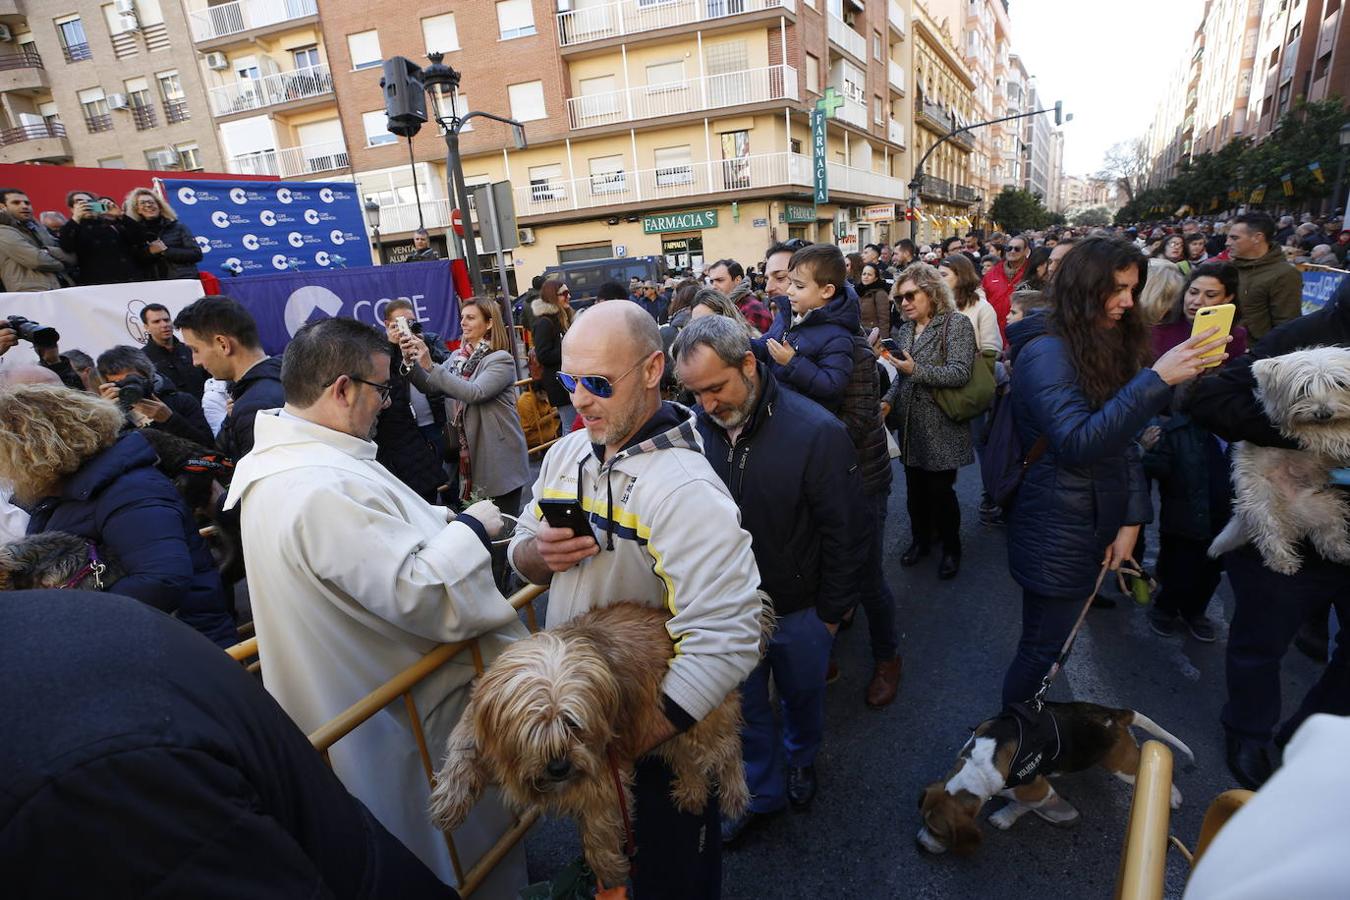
x=415 y=326
x=133 y=389
x=33 y=333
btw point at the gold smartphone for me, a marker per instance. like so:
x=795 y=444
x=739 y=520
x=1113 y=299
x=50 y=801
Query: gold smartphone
x=1220 y=317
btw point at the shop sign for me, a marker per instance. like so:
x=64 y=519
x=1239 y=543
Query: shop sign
x=798 y=213
x=880 y=212
x=690 y=220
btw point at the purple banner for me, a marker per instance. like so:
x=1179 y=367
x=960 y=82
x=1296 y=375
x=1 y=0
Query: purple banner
x=281 y=304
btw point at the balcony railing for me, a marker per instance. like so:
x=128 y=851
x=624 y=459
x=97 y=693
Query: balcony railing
x=291 y=162
x=27 y=59
x=396 y=217
x=847 y=38
x=853 y=111
x=895 y=132
x=689 y=179
x=244 y=15
x=936 y=116
x=176 y=111
x=896 y=16
x=282 y=87
x=76 y=52
x=868 y=183
x=144 y=116
x=32 y=133
x=941 y=189
x=98 y=123
x=674 y=98
x=895 y=74
x=624 y=17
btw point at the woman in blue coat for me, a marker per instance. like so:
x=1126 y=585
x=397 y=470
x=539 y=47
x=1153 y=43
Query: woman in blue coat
x=1080 y=382
x=74 y=468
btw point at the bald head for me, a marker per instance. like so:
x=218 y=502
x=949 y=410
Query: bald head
x=27 y=374
x=623 y=329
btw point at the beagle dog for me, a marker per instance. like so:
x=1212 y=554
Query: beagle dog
x=1012 y=756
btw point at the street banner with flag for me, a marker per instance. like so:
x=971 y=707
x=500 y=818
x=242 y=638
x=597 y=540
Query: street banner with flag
x=1287 y=182
x=1316 y=169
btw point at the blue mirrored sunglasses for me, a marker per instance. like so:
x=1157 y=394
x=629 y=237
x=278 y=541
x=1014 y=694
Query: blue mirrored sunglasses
x=598 y=385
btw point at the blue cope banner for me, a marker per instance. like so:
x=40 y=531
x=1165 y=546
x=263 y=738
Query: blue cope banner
x=272 y=226
x=282 y=303
x=1318 y=286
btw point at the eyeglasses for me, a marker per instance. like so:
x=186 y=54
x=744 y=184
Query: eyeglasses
x=384 y=389
x=564 y=293
x=598 y=385
x=906 y=296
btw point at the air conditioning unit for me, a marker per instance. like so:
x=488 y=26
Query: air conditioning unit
x=118 y=101
x=125 y=7
x=5 y=34
x=216 y=61
x=129 y=23
x=525 y=235
x=164 y=159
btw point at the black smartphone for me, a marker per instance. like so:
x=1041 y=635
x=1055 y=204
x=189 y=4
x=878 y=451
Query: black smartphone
x=566 y=514
x=891 y=345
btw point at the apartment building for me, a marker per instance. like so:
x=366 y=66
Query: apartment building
x=944 y=92
x=112 y=84
x=1231 y=28
x=1038 y=132
x=677 y=129
x=1303 y=52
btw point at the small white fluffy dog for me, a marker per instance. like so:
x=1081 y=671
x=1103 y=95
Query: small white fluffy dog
x=1283 y=496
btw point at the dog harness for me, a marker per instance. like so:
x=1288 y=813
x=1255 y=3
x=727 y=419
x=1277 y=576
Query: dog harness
x=1040 y=743
x=95 y=566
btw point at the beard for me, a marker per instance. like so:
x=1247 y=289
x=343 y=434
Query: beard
x=736 y=417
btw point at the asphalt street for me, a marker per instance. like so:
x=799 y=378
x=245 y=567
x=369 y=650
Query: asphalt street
x=956 y=639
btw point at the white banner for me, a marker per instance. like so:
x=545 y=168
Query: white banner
x=96 y=317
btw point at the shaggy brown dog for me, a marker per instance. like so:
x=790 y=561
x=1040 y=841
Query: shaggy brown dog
x=55 y=560
x=558 y=713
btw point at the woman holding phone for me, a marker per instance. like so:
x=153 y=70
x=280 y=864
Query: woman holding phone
x=1082 y=392
x=106 y=251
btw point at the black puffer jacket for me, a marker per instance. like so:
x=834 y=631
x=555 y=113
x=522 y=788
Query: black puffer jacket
x=401 y=447
x=1090 y=481
x=107 y=251
x=180 y=258
x=259 y=389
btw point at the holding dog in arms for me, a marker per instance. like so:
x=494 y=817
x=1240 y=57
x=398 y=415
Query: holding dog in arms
x=665 y=534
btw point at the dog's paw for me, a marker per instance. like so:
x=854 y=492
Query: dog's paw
x=1176 y=797
x=1006 y=817
x=690 y=793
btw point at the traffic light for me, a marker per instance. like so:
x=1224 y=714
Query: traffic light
x=1059 y=112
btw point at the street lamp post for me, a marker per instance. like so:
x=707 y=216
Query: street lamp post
x=1343 y=138
x=373 y=213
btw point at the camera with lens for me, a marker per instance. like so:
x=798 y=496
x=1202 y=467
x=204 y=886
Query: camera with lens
x=33 y=333
x=133 y=389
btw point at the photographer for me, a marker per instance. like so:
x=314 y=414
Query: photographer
x=107 y=250
x=129 y=380
x=45 y=340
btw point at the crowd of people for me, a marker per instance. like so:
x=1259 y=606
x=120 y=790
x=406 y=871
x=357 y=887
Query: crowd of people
x=728 y=437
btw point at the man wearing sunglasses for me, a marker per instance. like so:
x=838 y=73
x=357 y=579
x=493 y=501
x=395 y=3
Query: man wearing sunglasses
x=353 y=577
x=1003 y=279
x=664 y=532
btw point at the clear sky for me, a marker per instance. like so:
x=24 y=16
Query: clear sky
x=1108 y=60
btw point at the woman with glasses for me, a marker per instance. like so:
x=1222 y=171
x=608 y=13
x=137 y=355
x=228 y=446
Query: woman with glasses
x=483 y=429
x=173 y=249
x=553 y=316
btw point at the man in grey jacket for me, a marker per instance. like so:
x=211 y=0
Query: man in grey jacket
x=665 y=532
x=30 y=259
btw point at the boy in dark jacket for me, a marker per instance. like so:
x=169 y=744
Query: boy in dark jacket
x=170 y=768
x=812 y=353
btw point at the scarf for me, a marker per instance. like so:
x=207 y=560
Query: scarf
x=464 y=365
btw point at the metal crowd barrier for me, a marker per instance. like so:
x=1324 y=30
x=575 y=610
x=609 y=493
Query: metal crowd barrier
x=400 y=687
x=1143 y=864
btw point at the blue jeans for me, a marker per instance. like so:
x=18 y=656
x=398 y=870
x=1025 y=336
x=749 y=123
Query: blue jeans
x=1046 y=622
x=1268 y=611
x=875 y=597
x=798 y=655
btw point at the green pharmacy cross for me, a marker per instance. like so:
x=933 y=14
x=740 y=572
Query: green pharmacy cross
x=830 y=103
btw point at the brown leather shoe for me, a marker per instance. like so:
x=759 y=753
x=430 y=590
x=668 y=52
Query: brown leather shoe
x=885 y=682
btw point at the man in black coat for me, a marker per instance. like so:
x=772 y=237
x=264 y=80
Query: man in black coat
x=1270 y=607
x=107 y=250
x=791 y=468
x=169 y=768
x=171 y=357
x=223 y=338
x=167 y=408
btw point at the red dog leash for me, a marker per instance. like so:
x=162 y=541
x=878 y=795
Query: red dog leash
x=619 y=892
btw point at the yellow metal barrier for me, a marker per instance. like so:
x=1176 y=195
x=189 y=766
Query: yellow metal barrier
x=1220 y=811
x=400 y=687
x=1144 y=860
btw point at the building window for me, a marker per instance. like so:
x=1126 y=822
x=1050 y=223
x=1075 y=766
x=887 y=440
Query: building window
x=376 y=131
x=1323 y=66
x=160 y=160
x=795 y=145
x=674 y=165
x=73 y=41
x=189 y=157
x=876 y=46
x=878 y=110
x=515 y=19
x=584 y=252
x=461 y=108
x=440 y=33
x=1283 y=105
x=308 y=57
x=95 y=105
x=812 y=74
x=112 y=162
x=365 y=49
x=666 y=73
x=546 y=183
x=599 y=99
x=607 y=175
x=527 y=101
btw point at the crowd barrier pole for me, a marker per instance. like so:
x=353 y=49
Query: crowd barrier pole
x=1143 y=863
x=1220 y=811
